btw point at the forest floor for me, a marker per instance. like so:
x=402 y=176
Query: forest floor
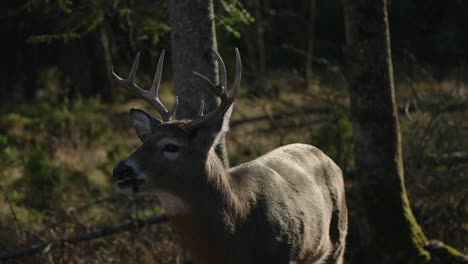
x=57 y=158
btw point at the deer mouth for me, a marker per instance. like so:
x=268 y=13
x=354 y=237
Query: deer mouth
x=130 y=183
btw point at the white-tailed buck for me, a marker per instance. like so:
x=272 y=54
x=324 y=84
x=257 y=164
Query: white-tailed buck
x=287 y=206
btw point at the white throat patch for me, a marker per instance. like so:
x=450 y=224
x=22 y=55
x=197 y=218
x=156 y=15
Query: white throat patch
x=173 y=205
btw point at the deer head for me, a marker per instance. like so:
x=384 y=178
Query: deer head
x=173 y=152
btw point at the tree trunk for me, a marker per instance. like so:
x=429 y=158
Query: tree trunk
x=75 y=69
x=30 y=64
x=193 y=37
x=261 y=70
x=310 y=46
x=249 y=56
x=393 y=234
x=11 y=67
x=101 y=61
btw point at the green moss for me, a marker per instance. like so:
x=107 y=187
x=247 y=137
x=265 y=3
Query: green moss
x=452 y=251
x=444 y=254
x=418 y=237
x=433 y=252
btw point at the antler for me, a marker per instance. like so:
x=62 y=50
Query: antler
x=220 y=91
x=151 y=96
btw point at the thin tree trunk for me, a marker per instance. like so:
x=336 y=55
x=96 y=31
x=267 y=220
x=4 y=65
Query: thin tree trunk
x=15 y=66
x=30 y=64
x=261 y=70
x=249 y=56
x=193 y=36
x=310 y=45
x=4 y=78
x=101 y=63
x=75 y=68
x=394 y=235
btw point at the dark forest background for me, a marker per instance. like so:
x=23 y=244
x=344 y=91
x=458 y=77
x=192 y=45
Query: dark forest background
x=64 y=123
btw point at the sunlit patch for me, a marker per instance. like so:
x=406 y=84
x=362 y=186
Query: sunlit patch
x=173 y=205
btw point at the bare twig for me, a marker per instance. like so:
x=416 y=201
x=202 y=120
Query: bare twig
x=96 y=232
x=430 y=106
x=13 y=213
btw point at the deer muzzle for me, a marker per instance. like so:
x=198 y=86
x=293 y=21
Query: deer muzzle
x=126 y=177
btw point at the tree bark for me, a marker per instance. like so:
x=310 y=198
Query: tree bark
x=101 y=61
x=310 y=46
x=249 y=56
x=30 y=64
x=193 y=37
x=393 y=234
x=261 y=70
x=75 y=69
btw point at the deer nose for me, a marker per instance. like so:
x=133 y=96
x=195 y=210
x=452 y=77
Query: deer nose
x=123 y=171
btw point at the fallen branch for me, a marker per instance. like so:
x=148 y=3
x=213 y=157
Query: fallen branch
x=96 y=232
x=403 y=109
x=442 y=253
x=448 y=159
x=291 y=126
x=277 y=116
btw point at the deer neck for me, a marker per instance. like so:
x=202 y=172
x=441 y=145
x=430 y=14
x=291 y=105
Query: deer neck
x=211 y=214
x=213 y=190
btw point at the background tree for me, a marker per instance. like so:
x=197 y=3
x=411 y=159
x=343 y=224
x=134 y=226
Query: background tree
x=387 y=218
x=259 y=52
x=310 y=44
x=77 y=37
x=193 y=37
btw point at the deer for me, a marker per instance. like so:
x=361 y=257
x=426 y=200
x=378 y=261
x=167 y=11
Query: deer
x=287 y=206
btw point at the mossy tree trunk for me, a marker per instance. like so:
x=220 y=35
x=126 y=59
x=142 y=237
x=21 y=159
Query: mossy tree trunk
x=393 y=235
x=193 y=36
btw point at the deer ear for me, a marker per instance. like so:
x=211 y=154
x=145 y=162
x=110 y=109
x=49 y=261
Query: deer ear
x=224 y=122
x=211 y=133
x=143 y=123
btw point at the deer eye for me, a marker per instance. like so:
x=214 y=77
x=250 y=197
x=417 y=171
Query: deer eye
x=171 y=148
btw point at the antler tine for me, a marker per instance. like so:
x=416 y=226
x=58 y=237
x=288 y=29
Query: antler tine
x=157 y=76
x=222 y=69
x=174 y=106
x=151 y=96
x=131 y=75
x=204 y=78
x=154 y=91
x=237 y=81
x=202 y=107
x=220 y=91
